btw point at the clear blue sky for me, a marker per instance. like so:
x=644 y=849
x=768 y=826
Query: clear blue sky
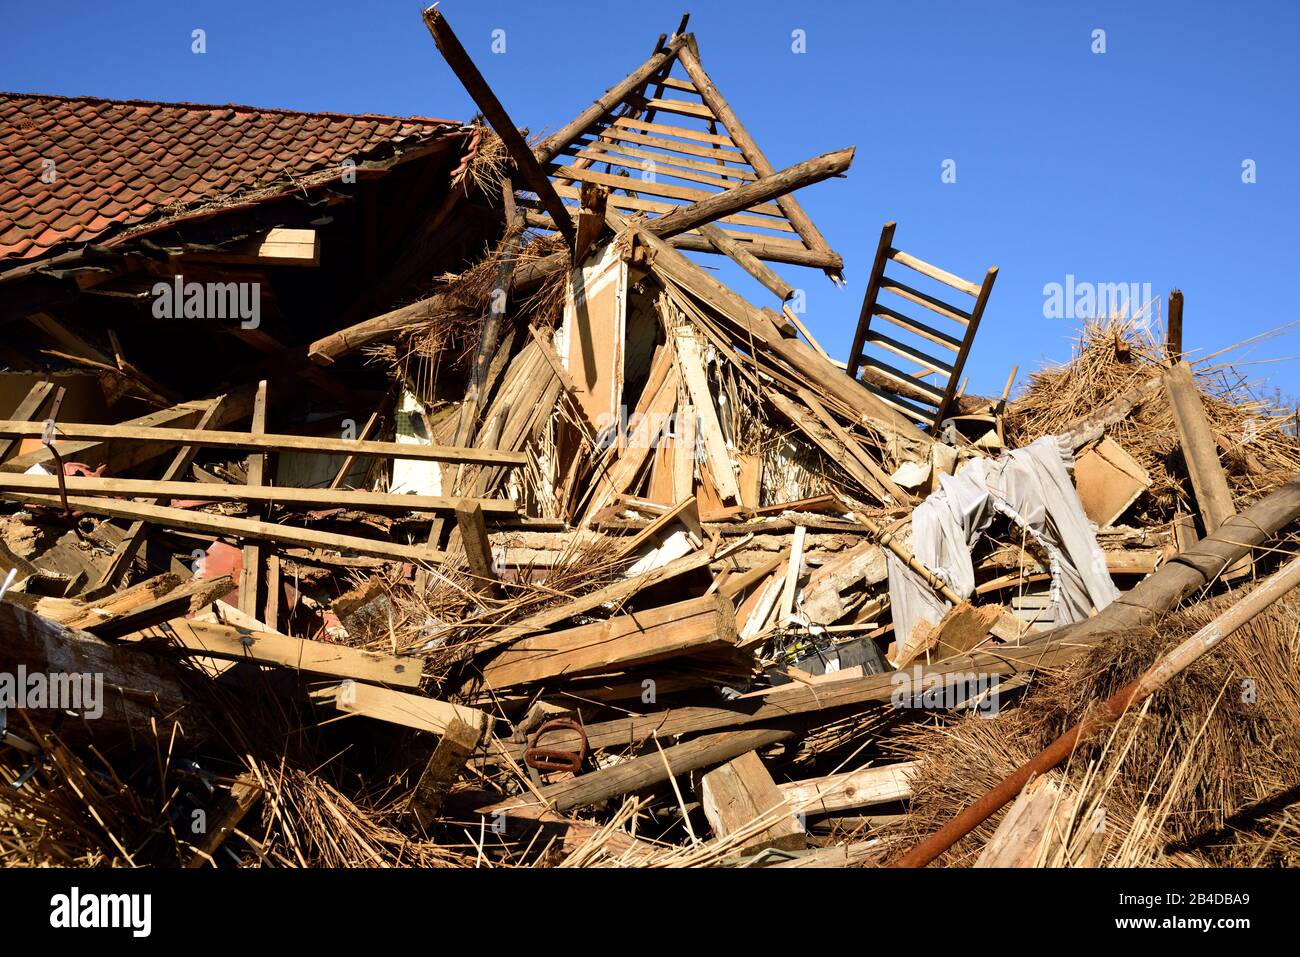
x=1124 y=166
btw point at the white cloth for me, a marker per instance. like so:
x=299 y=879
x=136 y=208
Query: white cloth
x=1032 y=488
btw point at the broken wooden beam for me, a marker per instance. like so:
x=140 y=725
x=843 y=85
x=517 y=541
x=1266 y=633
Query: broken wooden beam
x=741 y=793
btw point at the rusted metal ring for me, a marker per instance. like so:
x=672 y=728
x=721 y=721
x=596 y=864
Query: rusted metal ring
x=552 y=759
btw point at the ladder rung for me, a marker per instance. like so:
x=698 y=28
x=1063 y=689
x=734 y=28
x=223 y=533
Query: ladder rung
x=923 y=416
x=934 y=272
x=899 y=375
x=907 y=352
x=918 y=328
x=925 y=299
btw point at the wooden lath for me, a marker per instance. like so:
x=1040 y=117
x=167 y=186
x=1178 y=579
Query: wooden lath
x=927 y=394
x=658 y=141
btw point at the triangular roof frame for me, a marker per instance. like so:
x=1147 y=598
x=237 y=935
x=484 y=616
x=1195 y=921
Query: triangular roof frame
x=653 y=166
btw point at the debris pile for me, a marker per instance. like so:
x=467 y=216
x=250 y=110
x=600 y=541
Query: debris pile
x=569 y=554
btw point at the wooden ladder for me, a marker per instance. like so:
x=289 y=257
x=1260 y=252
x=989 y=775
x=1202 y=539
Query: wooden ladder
x=911 y=393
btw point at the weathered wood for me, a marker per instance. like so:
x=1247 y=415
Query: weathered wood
x=139 y=693
x=847 y=791
x=474 y=539
x=269 y=442
x=772 y=185
x=599 y=110
x=409 y=710
x=741 y=792
x=180 y=601
x=219 y=525
x=637 y=774
x=208 y=639
x=250 y=572
x=28 y=408
x=697 y=626
x=747 y=261
x=281 y=495
x=477 y=87
x=447 y=761
x=1210 y=483
x=1174 y=331
x=802 y=223
x=244 y=795
x=137 y=531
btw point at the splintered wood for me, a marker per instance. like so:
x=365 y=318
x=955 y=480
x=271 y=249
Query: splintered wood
x=532 y=542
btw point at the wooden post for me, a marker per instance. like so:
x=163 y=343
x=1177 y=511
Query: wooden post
x=250 y=575
x=27 y=409
x=1200 y=452
x=448 y=758
x=478 y=549
x=477 y=87
x=1174 y=332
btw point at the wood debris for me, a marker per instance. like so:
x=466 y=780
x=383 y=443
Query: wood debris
x=577 y=544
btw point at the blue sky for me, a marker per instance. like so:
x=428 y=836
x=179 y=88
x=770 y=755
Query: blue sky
x=1115 y=167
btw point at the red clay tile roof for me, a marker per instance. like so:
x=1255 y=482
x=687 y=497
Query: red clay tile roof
x=117 y=162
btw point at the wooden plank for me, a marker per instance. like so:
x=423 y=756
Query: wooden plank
x=1209 y=482
x=280 y=495
x=28 y=408
x=1108 y=480
x=690 y=363
x=250 y=573
x=640 y=203
x=477 y=87
x=934 y=272
x=255 y=443
x=696 y=626
x=640 y=162
x=925 y=299
x=677 y=131
x=278 y=246
x=850 y=790
x=244 y=795
x=183 y=600
x=137 y=532
x=680 y=108
x=209 y=639
x=445 y=765
x=665 y=190
x=741 y=792
x=938 y=337
x=474 y=539
x=227 y=525
x=666 y=153
x=637 y=774
x=408 y=710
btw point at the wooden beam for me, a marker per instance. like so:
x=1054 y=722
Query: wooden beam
x=747 y=261
x=850 y=790
x=599 y=110
x=694 y=627
x=212 y=640
x=801 y=221
x=408 y=710
x=269 y=442
x=226 y=525
x=525 y=161
x=1174 y=332
x=772 y=185
x=741 y=792
x=281 y=495
x=28 y=408
x=250 y=573
x=474 y=539
x=637 y=774
x=445 y=765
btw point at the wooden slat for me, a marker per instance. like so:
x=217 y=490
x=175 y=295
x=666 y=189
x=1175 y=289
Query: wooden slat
x=28 y=408
x=918 y=328
x=269 y=442
x=908 y=352
x=698 y=137
x=623 y=201
x=675 y=84
x=720 y=154
x=934 y=272
x=629 y=157
x=681 y=108
x=923 y=416
x=893 y=372
x=653 y=188
x=271 y=495
x=212 y=640
x=867 y=310
x=977 y=313
x=925 y=299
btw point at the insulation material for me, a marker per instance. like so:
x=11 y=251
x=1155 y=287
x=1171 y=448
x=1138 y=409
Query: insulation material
x=1032 y=488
